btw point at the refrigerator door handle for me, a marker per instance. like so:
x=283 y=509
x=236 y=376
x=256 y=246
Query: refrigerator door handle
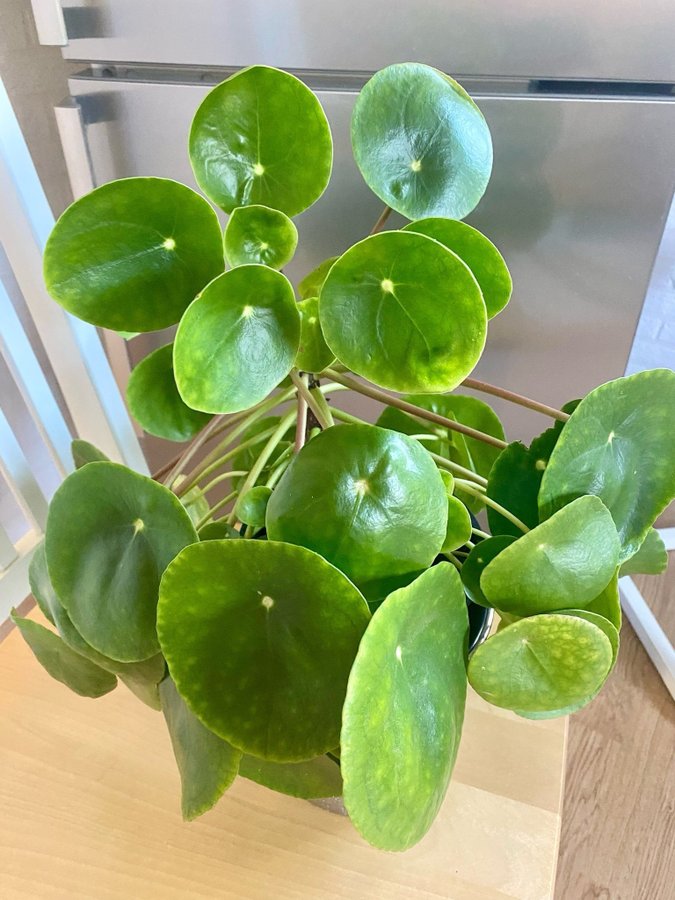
x=49 y=22
x=70 y=123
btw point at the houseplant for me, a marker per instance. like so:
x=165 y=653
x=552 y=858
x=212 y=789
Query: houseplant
x=307 y=626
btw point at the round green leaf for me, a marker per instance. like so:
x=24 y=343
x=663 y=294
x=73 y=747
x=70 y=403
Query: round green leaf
x=110 y=535
x=251 y=506
x=650 y=559
x=318 y=777
x=479 y=253
x=370 y=501
x=405 y=312
x=258 y=234
x=458 y=531
x=620 y=445
x=132 y=254
x=261 y=137
x=541 y=664
x=314 y=353
x=83 y=452
x=154 y=401
x=565 y=561
x=237 y=340
x=421 y=143
x=207 y=764
x=311 y=284
x=62 y=663
x=217 y=531
x=472 y=569
x=404 y=710
x=259 y=637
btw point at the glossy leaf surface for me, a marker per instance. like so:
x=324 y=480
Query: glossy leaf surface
x=62 y=663
x=251 y=506
x=260 y=637
x=133 y=254
x=541 y=664
x=369 y=500
x=478 y=252
x=565 y=561
x=404 y=312
x=314 y=353
x=258 y=234
x=404 y=710
x=474 y=565
x=620 y=445
x=650 y=559
x=421 y=143
x=261 y=137
x=311 y=284
x=110 y=535
x=207 y=764
x=319 y=777
x=237 y=340
x=154 y=401
x=458 y=531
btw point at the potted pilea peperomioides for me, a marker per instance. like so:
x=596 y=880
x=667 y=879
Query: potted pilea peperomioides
x=294 y=592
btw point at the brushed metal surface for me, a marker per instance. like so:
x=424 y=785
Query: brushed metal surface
x=577 y=204
x=604 y=39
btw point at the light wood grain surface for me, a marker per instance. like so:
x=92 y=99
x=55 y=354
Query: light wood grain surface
x=89 y=800
x=618 y=834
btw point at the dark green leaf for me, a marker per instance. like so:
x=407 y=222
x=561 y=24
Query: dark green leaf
x=217 y=531
x=319 y=777
x=252 y=505
x=472 y=569
x=258 y=234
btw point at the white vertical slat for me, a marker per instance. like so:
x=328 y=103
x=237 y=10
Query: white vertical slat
x=32 y=384
x=18 y=475
x=73 y=347
x=650 y=633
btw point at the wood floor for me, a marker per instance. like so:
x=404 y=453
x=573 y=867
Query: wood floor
x=618 y=832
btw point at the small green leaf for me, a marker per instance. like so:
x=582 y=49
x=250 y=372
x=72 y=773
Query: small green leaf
x=217 y=531
x=83 y=452
x=458 y=531
x=370 y=501
x=258 y=234
x=132 y=254
x=421 y=143
x=237 y=340
x=650 y=559
x=619 y=444
x=479 y=253
x=252 y=505
x=405 y=312
x=319 y=777
x=564 y=561
x=62 y=663
x=311 y=284
x=314 y=353
x=542 y=664
x=207 y=764
x=403 y=715
x=259 y=637
x=474 y=565
x=154 y=401
x=110 y=535
x=261 y=137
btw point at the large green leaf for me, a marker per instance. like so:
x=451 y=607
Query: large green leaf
x=207 y=764
x=258 y=234
x=110 y=535
x=565 y=561
x=261 y=137
x=62 y=663
x=311 y=284
x=237 y=340
x=314 y=354
x=154 y=400
x=132 y=254
x=319 y=777
x=369 y=500
x=142 y=678
x=404 y=710
x=620 y=445
x=259 y=637
x=421 y=143
x=479 y=253
x=650 y=559
x=541 y=664
x=405 y=312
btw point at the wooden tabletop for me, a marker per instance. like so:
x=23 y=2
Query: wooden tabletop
x=89 y=808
